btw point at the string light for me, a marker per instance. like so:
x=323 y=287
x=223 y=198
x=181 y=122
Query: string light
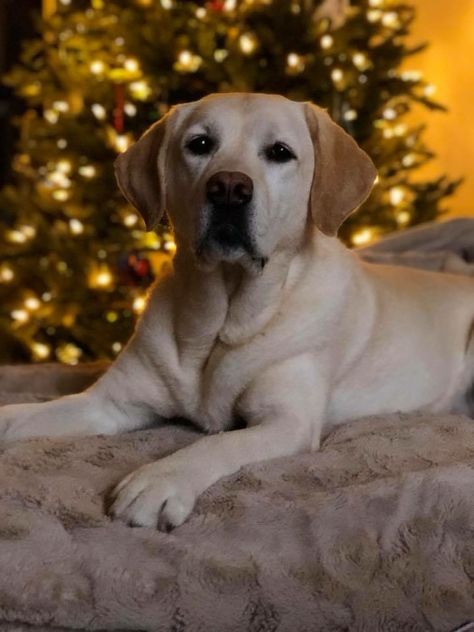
x=247 y=43
x=130 y=109
x=40 y=351
x=350 y=115
x=32 y=303
x=374 y=15
x=101 y=277
x=132 y=65
x=76 y=226
x=403 y=218
x=130 y=220
x=396 y=195
x=390 y=19
x=140 y=90
x=99 y=111
x=187 y=62
x=167 y=4
x=116 y=347
x=61 y=106
x=88 y=171
x=68 y=353
x=122 y=142
x=16 y=236
x=361 y=61
x=6 y=274
x=337 y=75
x=51 y=116
x=295 y=62
x=411 y=75
x=20 y=315
x=429 y=90
x=327 y=41
x=201 y=13
x=408 y=160
x=97 y=67
x=61 y=195
x=363 y=236
x=220 y=54
x=389 y=114
x=139 y=303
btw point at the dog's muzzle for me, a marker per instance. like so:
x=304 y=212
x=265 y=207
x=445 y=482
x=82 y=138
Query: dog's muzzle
x=229 y=195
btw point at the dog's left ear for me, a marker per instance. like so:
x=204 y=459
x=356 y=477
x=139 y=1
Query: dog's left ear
x=343 y=173
x=140 y=172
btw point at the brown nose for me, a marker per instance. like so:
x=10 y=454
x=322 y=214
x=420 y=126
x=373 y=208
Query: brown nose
x=229 y=189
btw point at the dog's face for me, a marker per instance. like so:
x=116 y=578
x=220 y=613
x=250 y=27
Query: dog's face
x=238 y=173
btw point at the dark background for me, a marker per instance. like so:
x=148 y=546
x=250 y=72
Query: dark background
x=17 y=23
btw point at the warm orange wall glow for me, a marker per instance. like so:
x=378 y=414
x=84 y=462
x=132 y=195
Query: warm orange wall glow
x=449 y=64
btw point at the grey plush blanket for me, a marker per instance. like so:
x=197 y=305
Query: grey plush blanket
x=373 y=533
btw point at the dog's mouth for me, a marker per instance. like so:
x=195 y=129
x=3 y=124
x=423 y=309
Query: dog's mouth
x=226 y=242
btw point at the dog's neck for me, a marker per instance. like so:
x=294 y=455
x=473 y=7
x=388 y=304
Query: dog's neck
x=235 y=303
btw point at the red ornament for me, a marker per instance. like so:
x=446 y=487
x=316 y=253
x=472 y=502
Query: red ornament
x=119 y=109
x=216 y=5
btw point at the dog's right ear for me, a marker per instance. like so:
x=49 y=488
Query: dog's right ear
x=140 y=172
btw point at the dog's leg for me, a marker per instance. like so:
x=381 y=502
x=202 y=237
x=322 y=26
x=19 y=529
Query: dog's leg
x=129 y=396
x=284 y=409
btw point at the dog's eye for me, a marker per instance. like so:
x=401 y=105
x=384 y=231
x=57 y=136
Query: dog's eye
x=278 y=152
x=200 y=145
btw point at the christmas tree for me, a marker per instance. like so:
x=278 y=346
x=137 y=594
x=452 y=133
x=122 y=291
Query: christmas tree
x=76 y=259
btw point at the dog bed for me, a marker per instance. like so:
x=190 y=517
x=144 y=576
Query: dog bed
x=375 y=532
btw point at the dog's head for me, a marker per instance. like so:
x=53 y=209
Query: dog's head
x=238 y=173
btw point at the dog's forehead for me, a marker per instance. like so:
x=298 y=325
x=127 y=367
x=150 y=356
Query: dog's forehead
x=258 y=111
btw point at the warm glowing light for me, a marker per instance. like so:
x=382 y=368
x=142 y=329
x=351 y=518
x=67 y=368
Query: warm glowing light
x=361 y=61
x=97 y=67
x=68 y=353
x=28 y=231
x=363 y=236
x=220 y=54
x=99 y=111
x=411 y=75
x=391 y=20
x=201 y=13
x=88 y=171
x=32 y=303
x=130 y=219
x=166 y=4
x=111 y=317
x=6 y=274
x=20 y=315
x=389 y=114
x=429 y=90
x=61 y=195
x=376 y=3
x=132 y=65
x=101 y=277
x=408 y=160
x=76 y=226
x=400 y=129
x=247 y=43
x=403 y=218
x=140 y=90
x=139 y=303
x=295 y=62
x=51 y=116
x=374 y=15
x=187 y=62
x=130 y=109
x=396 y=195
x=337 y=75
x=350 y=115
x=40 y=350
x=170 y=246
x=327 y=41
x=61 y=106
x=116 y=347
x=16 y=236
x=122 y=142
x=64 y=166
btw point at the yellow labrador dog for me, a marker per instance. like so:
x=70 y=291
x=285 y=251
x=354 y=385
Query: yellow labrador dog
x=266 y=316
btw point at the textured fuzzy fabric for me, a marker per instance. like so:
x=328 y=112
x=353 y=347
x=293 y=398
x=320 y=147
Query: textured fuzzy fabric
x=374 y=533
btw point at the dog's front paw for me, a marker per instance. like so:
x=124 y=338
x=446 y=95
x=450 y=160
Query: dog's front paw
x=155 y=495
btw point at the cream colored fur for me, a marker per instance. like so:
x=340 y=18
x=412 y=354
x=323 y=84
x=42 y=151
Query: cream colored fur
x=313 y=339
